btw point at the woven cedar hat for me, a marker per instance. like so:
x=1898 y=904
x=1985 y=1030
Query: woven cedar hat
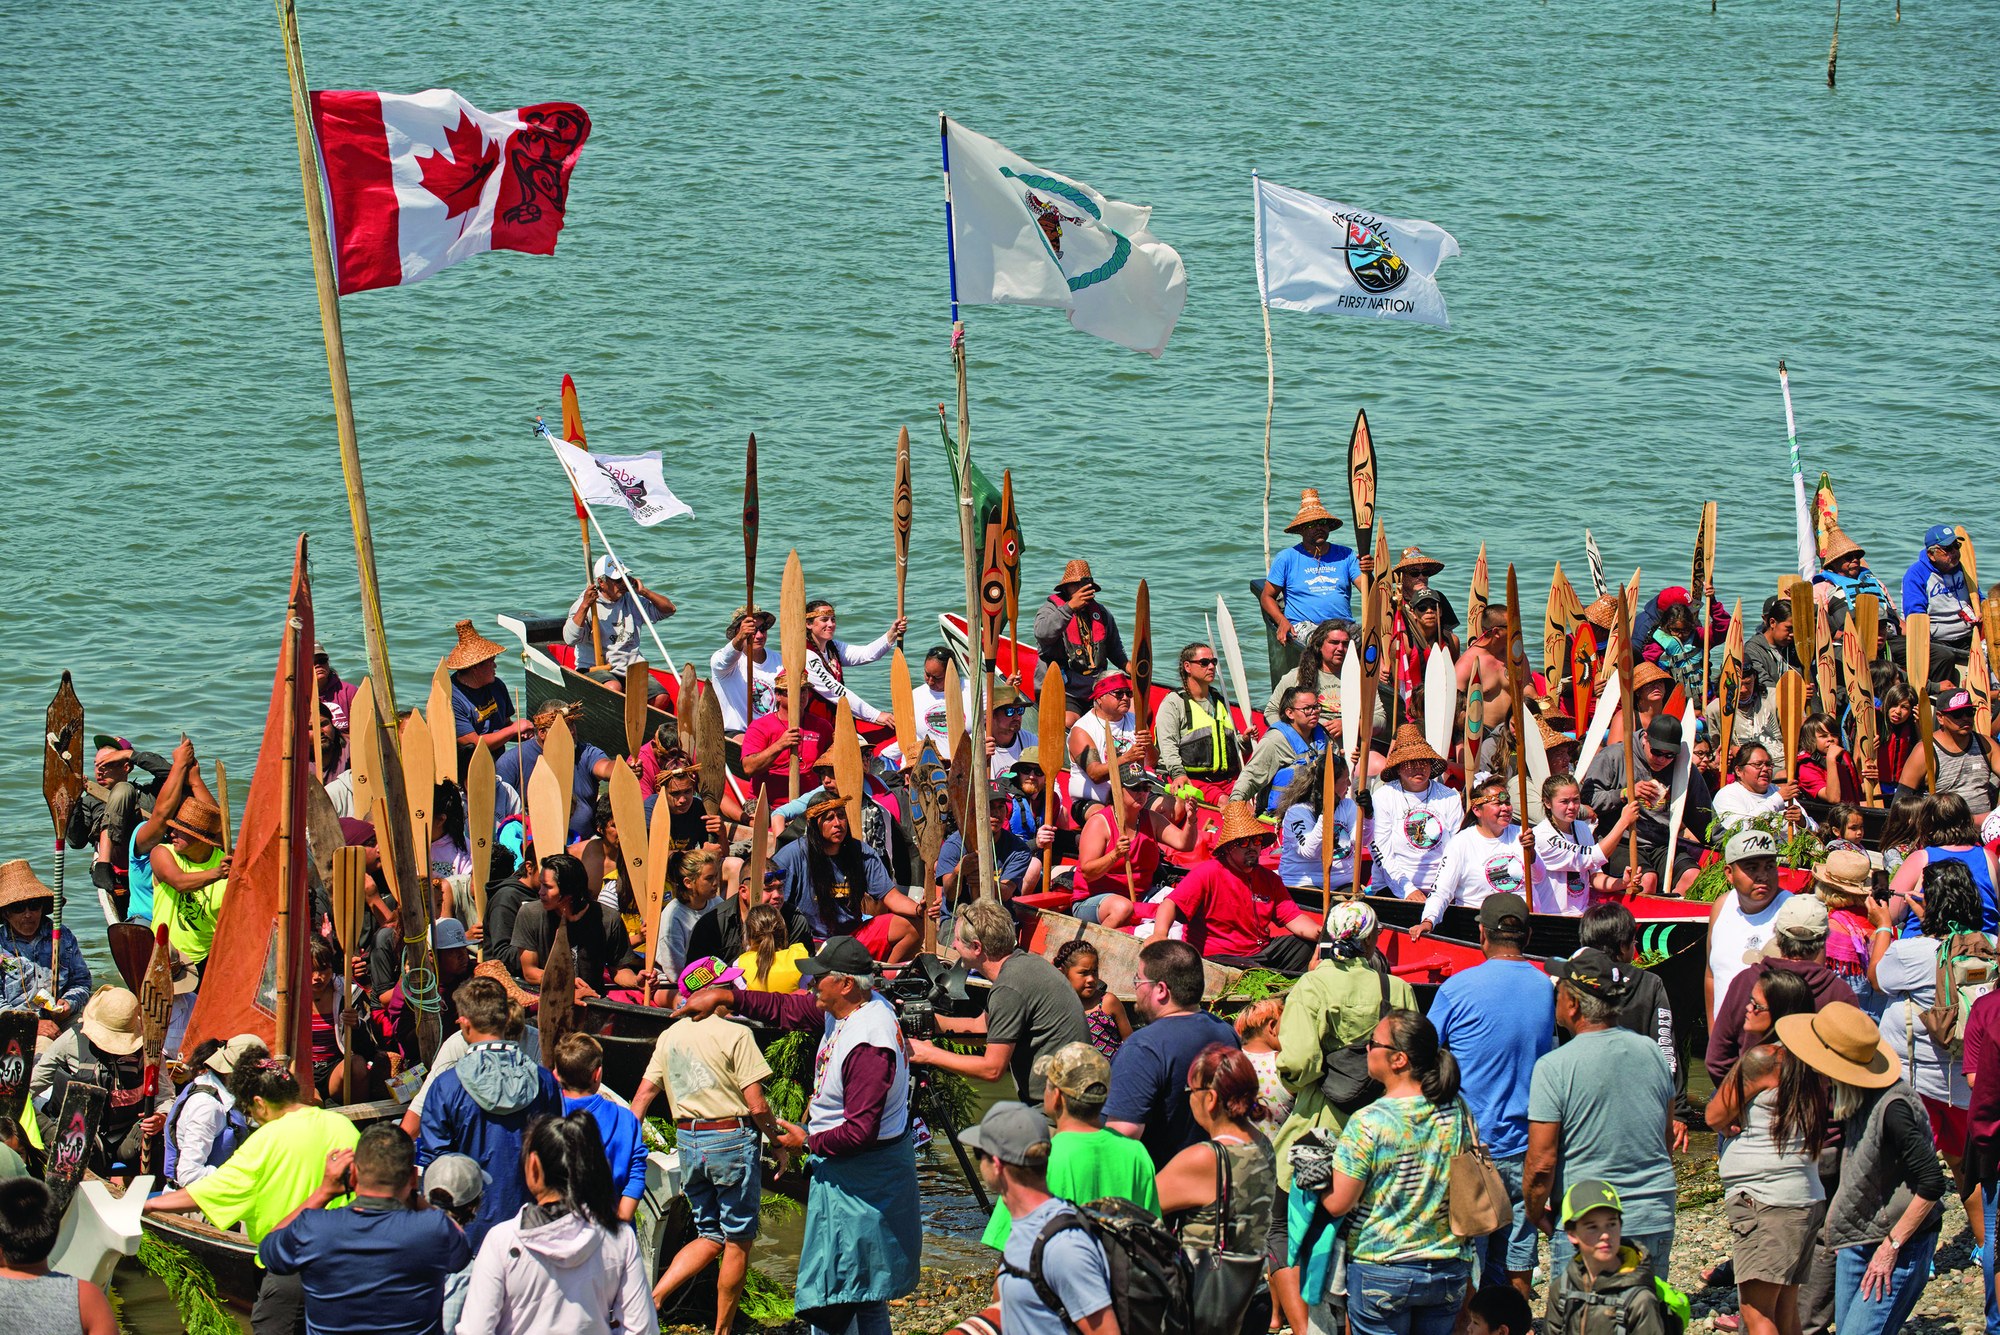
x=20 y=885
x=1239 y=821
x=1551 y=739
x=1311 y=512
x=1603 y=612
x=1414 y=562
x=1649 y=673
x=1410 y=745
x=197 y=819
x=1839 y=547
x=472 y=649
x=1074 y=573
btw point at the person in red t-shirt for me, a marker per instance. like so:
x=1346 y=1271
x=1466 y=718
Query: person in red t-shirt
x=1825 y=771
x=767 y=752
x=1232 y=902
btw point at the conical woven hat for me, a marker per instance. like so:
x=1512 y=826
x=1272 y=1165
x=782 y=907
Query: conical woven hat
x=1239 y=821
x=20 y=885
x=472 y=649
x=1410 y=745
x=1839 y=547
x=1310 y=512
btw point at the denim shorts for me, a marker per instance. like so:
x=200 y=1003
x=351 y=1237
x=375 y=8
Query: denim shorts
x=1086 y=910
x=722 y=1181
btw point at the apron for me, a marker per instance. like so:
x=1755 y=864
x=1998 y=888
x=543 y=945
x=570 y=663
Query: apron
x=864 y=1235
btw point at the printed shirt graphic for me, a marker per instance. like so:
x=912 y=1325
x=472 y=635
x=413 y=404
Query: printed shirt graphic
x=1315 y=588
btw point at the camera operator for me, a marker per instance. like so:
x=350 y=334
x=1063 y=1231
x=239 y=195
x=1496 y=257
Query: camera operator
x=863 y=1233
x=1032 y=1008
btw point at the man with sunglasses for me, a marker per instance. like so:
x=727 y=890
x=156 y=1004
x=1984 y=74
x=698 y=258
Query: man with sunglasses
x=1108 y=735
x=1298 y=736
x=1935 y=585
x=1198 y=740
x=1148 y=1100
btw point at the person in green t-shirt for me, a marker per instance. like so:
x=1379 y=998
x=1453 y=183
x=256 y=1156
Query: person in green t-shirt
x=1086 y=1162
x=270 y=1175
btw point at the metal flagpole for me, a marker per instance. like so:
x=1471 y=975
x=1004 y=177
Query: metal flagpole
x=542 y=430
x=336 y=365
x=1270 y=366
x=982 y=831
x=1808 y=550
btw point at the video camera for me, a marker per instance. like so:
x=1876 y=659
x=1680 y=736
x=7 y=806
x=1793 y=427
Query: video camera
x=917 y=991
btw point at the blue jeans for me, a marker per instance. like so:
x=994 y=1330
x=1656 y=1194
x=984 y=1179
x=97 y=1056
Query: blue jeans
x=1409 y=1298
x=1659 y=1250
x=722 y=1181
x=849 y=1319
x=1511 y=1247
x=1856 y=1315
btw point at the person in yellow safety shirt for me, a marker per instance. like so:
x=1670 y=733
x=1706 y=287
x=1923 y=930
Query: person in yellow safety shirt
x=1197 y=738
x=190 y=878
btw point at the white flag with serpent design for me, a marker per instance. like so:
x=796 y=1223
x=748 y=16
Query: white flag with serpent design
x=1022 y=236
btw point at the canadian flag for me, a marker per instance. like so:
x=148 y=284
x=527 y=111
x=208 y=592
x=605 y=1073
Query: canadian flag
x=420 y=182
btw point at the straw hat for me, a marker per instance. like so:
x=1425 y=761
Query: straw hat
x=1074 y=573
x=1311 y=512
x=1410 y=745
x=112 y=1021
x=1551 y=739
x=497 y=971
x=1842 y=880
x=1649 y=673
x=198 y=819
x=472 y=649
x=1239 y=821
x=1603 y=612
x=20 y=885
x=1839 y=547
x=1842 y=1042
x=1414 y=562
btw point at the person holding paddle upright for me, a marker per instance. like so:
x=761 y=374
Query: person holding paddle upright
x=827 y=659
x=25 y=949
x=748 y=637
x=1935 y=585
x=616 y=593
x=1312 y=581
x=1076 y=631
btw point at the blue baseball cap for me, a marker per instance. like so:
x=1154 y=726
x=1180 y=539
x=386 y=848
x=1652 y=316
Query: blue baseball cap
x=1940 y=535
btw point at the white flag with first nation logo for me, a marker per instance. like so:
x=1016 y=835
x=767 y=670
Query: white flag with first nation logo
x=1022 y=236
x=1334 y=259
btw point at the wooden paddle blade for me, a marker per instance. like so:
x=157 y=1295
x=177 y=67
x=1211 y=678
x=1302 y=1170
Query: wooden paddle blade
x=350 y=899
x=992 y=597
x=420 y=781
x=1051 y=709
x=156 y=997
x=848 y=775
x=651 y=893
x=75 y=1133
x=363 y=756
x=1440 y=698
x=903 y=512
x=638 y=686
x=710 y=751
x=480 y=790
x=131 y=950
x=1010 y=546
x=1805 y=631
x=444 y=735
x=1868 y=616
x=405 y=857
x=559 y=749
x=628 y=813
x=323 y=836
x=556 y=1015
x=954 y=705
x=1361 y=481
x=751 y=515
x=62 y=754
x=1730 y=684
x=760 y=822
x=903 y=706
x=1926 y=730
x=1232 y=654
x=222 y=801
x=1517 y=664
x=1596 y=563
x=1917 y=649
x=548 y=811
x=1329 y=807
x=1968 y=561
x=1142 y=659
x=795 y=647
x=1979 y=684
x=1791 y=715
x=684 y=709
x=1702 y=571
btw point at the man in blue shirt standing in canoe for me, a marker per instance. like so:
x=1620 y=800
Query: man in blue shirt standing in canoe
x=1311 y=582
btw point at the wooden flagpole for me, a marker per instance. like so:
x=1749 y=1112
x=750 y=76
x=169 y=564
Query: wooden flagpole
x=336 y=365
x=572 y=429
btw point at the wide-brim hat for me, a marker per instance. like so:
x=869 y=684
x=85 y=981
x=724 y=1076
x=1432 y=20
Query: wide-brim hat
x=471 y=650
x=1410 y=745
x=1005 y=694
x=1239 y=821
x=224 y=1060
x=1840 y=1041
x=1311 y=512
x=112 y=1020
x=1843 y=874
x=1839 y=547
x=1602 y=613
x=1074 y=573
x=1414 y=562
x=1551 y=738
x=197 y=818
x=764 y=618
x=20 y=885
x=1649 y=674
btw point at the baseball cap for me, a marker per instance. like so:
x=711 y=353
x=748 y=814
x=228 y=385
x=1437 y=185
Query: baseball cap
x=1013 y=1133
x=1109 y=682
x=1747 y=844
x=105 y=740
x=224 y=1059
x=1663 y=734
x=1800 y=918
x=840 y=954
x=1494 y=911
x=459 y=1177
x=1138 y=778
x=1949 y=699
x=448 y=934
x=1596 y=973
x=1426 y=597
x=708 y=971
x=609 y=567
x=1080 y=1071
x=1593 y=1193
x=1940 y=535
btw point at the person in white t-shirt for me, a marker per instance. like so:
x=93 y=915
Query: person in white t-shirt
x=1489 y=856
x=1108 y=734
x=1740 y=924
x=1756 y=789
x=1569 y=857
x=749 y=634
x=1414 y=817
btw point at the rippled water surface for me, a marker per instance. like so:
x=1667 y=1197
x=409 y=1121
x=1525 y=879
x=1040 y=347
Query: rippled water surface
x=1655 y=205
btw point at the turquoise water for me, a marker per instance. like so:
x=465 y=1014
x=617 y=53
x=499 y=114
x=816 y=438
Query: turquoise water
x=1655 y=204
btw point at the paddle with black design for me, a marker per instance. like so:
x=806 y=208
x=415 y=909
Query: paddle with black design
x=1010 y=564
x=1361 y=485
x=17 y=1060
x=904 y=511
x=1729 y=685
x=928 y=780
x=156 y=1004
x=992 y=616
x=62 y=785
x=1699 y=579
x=75 y=1132
x=1621 y=633
x=750 y=518
x=1861 y=705
x=712 y=756
x=1596 y=563
x=1142 y=670
x=1477 y=594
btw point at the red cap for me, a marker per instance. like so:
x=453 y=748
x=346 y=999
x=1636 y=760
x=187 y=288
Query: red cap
x=1674 y=597
x=1114 y=681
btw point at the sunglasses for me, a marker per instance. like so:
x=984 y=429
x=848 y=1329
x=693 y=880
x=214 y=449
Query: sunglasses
x=1202 y=662
x=1121 y=690
x=1012 y=711
x=1373 y=1046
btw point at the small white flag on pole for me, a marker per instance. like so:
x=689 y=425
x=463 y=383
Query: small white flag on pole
x=1327 y=258
x=633 y=482
x=1022 y=236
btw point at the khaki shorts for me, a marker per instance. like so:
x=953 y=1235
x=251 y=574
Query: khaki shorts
x=1772 y=1244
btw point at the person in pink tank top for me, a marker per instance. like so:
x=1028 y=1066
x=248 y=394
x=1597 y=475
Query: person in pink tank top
x=1113 y=869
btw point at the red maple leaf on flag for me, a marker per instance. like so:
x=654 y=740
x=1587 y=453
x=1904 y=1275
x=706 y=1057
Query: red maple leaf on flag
x=459 y=179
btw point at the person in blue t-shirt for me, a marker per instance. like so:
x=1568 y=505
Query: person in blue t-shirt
x=580 y=1072
x=1149 y=1101
x=376 y=1264
x=592 y=766
x=1310 y=583
x=482 y=710
x=1498 y=1019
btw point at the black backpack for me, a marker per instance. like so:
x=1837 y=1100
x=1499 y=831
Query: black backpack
x=1346 y=1084
x=1149 y=1272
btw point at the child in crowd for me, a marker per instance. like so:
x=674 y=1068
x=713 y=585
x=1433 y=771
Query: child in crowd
x=1899 y=734
x=1257 y=1026
x=1842 y=827
x=1608 y=1286
x=767 y=962
x=1110 y=1023
x=694 y=876
x=580 y=1069
x=33 y=1297
x=1499 y=1309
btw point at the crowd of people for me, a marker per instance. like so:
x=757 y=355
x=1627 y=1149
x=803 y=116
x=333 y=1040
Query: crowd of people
x=1323 y=1141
